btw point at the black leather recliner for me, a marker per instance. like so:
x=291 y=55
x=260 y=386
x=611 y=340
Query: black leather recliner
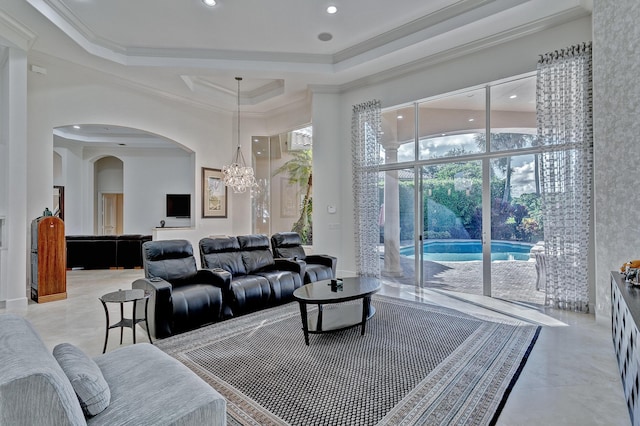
x=319 y=266
x=257 y=279
x=182 y=297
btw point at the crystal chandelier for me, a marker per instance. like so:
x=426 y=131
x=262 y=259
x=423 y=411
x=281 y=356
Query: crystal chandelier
x=238 y=175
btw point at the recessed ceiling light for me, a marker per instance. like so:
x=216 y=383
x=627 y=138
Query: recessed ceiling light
x=513 y=96
x=331 y=10
x=209 y=2
x=399 y=117
x=472 y=119
x=324 y=36
x=76 y=127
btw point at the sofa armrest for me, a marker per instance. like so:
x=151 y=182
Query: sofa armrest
x=323 y=259
x=222 y=279
x=282 y=264
x=216 y=276
x=160 y=305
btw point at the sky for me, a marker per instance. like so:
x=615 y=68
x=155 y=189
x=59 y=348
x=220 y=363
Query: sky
x=522 y=166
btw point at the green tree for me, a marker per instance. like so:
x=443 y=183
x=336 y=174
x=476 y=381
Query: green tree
x=299 y=172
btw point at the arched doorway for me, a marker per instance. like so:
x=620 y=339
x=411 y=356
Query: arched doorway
x=109 y=192
x=101 y=161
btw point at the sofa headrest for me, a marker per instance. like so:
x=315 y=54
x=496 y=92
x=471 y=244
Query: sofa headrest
x=166 y=249
x=218 y=245
x=286 y=239
x=253 y=242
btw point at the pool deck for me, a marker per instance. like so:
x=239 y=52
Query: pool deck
x=513 y=280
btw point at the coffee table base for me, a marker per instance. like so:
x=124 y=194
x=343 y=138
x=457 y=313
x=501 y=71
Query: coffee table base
x=339 y=317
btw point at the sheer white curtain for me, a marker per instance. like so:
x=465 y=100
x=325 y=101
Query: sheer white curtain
x=365 y=149
x=565 y=131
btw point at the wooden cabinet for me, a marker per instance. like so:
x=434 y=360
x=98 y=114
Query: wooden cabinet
x=48 y=260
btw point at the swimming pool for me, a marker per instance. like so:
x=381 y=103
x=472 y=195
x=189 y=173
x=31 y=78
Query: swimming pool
x=466 y=250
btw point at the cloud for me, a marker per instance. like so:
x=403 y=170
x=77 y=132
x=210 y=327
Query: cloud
x=523 y=179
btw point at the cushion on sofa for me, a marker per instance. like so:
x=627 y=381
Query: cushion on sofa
x=172 y=260
x=222 y=252
x=288 y=245
x=85 y=377
x=255 y=252
x=150 y=387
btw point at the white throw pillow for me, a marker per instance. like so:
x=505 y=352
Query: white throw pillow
x=85 y=377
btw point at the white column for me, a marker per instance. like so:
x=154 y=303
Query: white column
x=392 y=266
x=14 y=125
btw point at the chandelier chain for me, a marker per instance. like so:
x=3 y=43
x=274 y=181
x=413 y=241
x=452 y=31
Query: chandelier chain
x=238 y=175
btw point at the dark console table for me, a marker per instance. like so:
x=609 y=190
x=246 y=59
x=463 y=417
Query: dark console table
x=625 y=317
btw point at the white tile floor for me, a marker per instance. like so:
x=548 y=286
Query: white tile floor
x=571 y=377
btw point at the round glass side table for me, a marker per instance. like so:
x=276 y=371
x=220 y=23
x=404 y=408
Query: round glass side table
x=122 y=297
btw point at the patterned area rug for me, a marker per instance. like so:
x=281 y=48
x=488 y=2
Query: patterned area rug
x=417 y=364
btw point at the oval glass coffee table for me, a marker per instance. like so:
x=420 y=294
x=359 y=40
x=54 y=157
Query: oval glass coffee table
x=340 y=317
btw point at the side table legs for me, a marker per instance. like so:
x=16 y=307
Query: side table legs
x=305 y=323
x=122 y=318
x=366 y=305
x=146 y=320
x=125 y=322
x=106 y=334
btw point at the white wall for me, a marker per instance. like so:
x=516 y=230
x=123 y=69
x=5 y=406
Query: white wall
x=68 y=94
x=616 y=110
x=147 y=175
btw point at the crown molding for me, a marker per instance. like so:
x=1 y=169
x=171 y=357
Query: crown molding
x=15 y=33
x=421 y=29
x=142 y=88
x=546 y=23
x=260 y=94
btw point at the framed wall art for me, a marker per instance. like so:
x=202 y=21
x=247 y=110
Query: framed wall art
x=214 y=194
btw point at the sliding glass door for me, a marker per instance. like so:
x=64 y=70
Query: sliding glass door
x=516 y=228
x=397 y=226
x=452 y=226
x=460 y=194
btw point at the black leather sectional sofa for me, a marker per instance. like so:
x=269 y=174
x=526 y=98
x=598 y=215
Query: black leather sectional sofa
x=105 y=251
x=238 y=275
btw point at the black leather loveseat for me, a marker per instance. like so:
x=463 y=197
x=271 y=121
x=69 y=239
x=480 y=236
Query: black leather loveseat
x=105 y=251
x=256 y=279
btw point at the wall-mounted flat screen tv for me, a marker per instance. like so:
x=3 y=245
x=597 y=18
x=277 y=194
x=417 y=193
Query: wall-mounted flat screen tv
x=178 y=205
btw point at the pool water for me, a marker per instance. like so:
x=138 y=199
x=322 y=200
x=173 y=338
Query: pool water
x=466 y=250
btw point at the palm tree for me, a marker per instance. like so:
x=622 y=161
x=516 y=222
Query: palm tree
x=298 y=170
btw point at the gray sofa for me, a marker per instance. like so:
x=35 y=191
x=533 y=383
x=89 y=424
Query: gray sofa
x=146 y=386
